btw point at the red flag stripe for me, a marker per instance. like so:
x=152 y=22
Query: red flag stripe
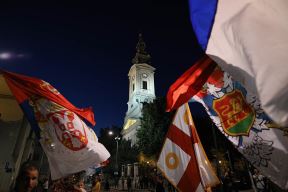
x=189 y=83
x=24 y=87
x=190 y=180
x=181 y=139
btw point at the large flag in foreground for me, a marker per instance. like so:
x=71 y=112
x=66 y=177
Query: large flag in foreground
x=70 y=145
x=239 y=116
x=248 y=39
x=183 y=160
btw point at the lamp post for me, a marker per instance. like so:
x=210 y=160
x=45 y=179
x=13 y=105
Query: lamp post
x=117 y=139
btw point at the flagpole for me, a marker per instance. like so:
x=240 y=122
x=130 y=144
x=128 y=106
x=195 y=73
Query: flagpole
x=193 y=127
x=191 y=122
x=229 y=160
x=250 y=175
x=216 y=146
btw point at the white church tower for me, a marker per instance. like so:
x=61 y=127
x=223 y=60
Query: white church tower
x=141 y=89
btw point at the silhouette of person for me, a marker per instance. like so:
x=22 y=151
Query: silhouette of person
x=27 y=180
x=129 y=183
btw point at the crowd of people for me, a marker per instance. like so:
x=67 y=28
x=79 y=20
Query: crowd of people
x=152 y=182
x=28 y=181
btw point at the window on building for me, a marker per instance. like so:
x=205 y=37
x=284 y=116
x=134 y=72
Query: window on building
x=144 y=83
x=133 y=87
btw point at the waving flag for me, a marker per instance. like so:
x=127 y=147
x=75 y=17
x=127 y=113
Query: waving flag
x=181 y=91
x=183 y=160
x=239 y=116
x=248 y=39
x=70 y=145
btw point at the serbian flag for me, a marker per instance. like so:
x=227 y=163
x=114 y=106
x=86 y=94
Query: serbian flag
x=183 y=160
x=248 y=39
x=70 y=145
x=239 y=116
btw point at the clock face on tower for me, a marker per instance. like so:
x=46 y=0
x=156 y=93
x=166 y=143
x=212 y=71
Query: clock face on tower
x=144 y=75
x=133 y=77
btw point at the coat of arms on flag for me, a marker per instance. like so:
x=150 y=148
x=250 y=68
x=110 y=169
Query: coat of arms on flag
x=238 y=36
x=242 y=120
x=70 y=145
x=239 y=116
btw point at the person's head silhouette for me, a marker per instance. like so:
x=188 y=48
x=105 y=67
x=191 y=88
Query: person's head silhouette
x=27 y=179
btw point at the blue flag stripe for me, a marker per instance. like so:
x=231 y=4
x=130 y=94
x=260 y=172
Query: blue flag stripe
x=29 y=114
x=202 y=14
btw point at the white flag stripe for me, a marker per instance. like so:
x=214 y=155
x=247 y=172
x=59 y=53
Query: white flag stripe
x=173 y=161
x=70 y=145
x=200 y=188
x=179 y=121
x=242 y=44
x=207 y=174
x=277 y=167
x=208 y=177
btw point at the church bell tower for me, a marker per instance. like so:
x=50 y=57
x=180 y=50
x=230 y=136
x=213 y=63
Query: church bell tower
x=141 y=89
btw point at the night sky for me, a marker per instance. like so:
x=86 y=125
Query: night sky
x=85 y=49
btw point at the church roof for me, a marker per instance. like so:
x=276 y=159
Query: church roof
x=141 y=55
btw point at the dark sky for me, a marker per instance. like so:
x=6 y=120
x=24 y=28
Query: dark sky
x=84 y=48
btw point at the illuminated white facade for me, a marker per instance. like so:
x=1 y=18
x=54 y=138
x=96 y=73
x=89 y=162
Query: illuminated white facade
x=141 y=89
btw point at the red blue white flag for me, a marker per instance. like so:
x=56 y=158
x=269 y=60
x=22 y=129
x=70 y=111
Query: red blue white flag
x=239 y=116
x=70 y=145
x=248 y=39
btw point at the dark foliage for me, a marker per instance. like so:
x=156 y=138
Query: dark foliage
x=154 y=126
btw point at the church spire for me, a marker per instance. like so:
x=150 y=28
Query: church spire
x=141 y=55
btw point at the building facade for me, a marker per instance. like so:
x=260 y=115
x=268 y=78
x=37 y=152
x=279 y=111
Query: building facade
x=141 y=89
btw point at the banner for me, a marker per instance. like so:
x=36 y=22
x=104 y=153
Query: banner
x=248 y=39
x=239 y=116
x=183 y=160
x=70 y=145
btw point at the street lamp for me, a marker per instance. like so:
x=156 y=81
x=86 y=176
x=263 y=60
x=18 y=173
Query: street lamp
x=117 y=139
